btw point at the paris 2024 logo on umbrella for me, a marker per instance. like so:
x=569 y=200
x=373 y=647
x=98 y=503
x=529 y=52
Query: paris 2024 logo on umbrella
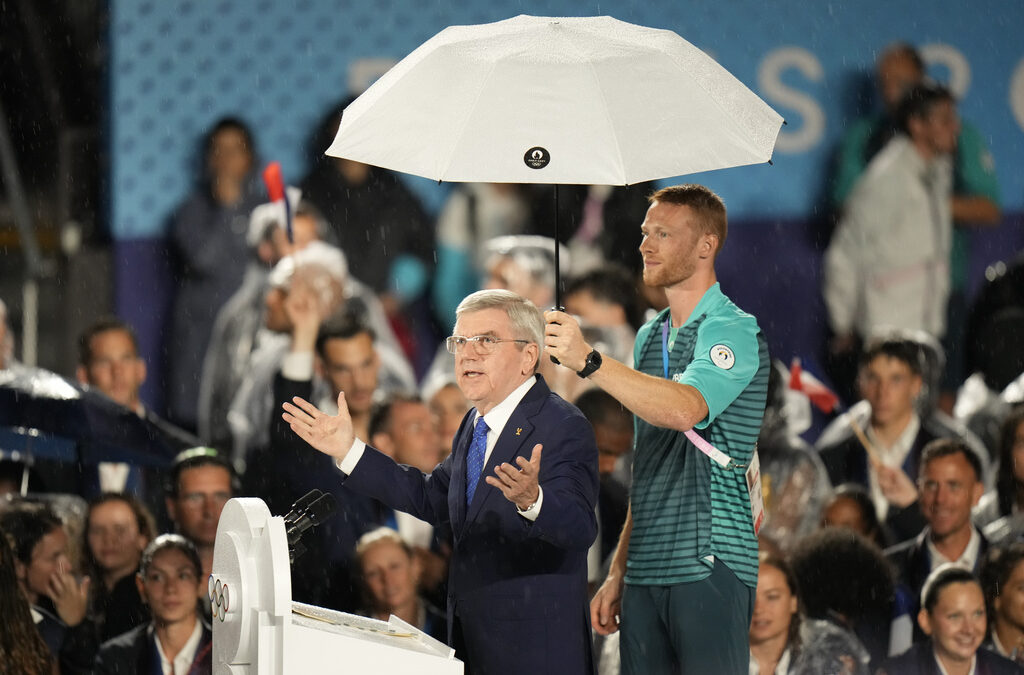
x=537 y=157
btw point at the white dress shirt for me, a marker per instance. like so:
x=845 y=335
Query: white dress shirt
x=183 y=661
x=892 y=456
x=967 y=560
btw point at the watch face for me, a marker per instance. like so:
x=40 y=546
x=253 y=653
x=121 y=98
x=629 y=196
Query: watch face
x=593 y=363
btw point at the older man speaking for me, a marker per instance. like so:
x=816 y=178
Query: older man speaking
x=518 y=490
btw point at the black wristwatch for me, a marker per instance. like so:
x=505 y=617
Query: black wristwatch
x=593 y=363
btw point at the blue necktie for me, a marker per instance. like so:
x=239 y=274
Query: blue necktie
x=475 y=458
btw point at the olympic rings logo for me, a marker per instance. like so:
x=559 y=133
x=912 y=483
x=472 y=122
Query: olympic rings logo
x=219 y=598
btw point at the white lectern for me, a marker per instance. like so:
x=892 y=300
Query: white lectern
x=258 y=630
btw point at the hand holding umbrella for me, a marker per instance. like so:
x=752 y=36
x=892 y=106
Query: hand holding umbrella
x=564 y=341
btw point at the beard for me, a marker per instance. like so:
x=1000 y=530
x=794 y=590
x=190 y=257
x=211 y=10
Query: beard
x=667 y=275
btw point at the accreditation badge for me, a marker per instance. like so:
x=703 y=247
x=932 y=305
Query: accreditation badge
x=754 y=488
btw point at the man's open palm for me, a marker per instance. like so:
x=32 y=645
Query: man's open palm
x=330 y=434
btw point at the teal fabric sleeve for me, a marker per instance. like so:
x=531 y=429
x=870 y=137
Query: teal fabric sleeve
x=725 y=360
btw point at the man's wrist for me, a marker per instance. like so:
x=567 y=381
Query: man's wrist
x=532 y=510
x=590 y=364
x=348 y=462
x=530 y=504
x=304 y=338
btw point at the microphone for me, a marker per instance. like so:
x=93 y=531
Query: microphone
x=301 y=505
x=317 y=512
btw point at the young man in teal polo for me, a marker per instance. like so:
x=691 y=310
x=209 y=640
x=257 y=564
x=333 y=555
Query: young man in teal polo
x=681 y=584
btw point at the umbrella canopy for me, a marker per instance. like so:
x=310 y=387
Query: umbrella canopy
x=576 y=100
x=46 y=416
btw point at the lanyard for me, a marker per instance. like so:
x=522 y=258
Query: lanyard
x=711 y=451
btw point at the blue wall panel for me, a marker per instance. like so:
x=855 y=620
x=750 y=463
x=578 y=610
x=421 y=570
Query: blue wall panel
x=177 y=66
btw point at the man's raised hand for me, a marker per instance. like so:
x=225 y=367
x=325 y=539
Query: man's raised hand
x=520 y=486
x=330 y=434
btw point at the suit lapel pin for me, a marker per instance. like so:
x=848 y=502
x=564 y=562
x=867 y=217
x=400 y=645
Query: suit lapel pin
x=519 y=431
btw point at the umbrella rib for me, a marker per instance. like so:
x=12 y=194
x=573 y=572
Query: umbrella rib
x=726 y=110
x=468 y=115
x=611 y=126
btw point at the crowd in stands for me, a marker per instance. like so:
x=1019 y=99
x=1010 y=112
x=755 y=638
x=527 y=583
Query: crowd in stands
x=893 y=541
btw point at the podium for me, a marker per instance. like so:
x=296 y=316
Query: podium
x=258 y=630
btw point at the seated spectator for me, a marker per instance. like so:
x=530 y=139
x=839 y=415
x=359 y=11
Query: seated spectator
x=47 y=580
x=783 y=642
x=238 y=322
x=449 y=406
x=953 y=617
x=169 y=580
x=22 y=649
x=851 y=507
x=343 y=352
x=846 y=580
x=117 y=529
x=1002 y=579
x=1007 y=500
x=613 y=433
x=320 y=267
x=317 y=275
x=524 y=264
x=391 y=573
x=949 y=486
x=793 y=480
x=200 y=484
x=890 y=422
x=402 y=427
x=606 y=296
x=109 y=361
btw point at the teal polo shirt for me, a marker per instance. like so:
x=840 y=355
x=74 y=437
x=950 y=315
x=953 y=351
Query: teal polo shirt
x=687 y=509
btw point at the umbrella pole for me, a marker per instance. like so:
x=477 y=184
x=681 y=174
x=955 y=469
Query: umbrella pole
x=558 y=278
x=558 y=284
x=24 y=480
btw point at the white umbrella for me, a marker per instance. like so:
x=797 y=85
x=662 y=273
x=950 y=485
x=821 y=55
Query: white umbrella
x=577 y=100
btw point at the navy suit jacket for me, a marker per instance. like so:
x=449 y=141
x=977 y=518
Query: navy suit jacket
x=134 y=653
x=519 y=589
x=920 y=660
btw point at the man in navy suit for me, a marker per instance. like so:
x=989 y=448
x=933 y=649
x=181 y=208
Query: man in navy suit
x=518 y=492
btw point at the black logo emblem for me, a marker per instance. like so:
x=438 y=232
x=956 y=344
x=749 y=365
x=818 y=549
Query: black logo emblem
x=537 y=158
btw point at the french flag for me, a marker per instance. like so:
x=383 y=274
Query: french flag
x=821 y=396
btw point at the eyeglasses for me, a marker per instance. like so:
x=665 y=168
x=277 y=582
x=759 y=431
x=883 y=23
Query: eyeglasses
x=196 y=500
x=484 y=344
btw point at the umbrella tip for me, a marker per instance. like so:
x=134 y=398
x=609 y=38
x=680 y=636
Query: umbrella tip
x=771 y=163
